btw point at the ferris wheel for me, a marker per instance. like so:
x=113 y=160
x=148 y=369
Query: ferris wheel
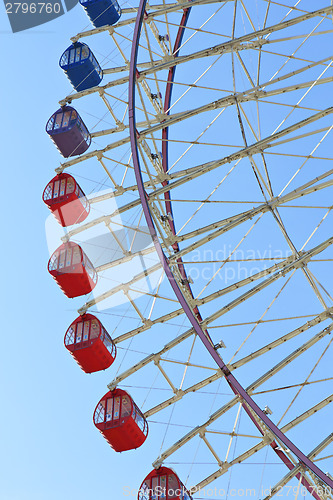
x=195 y=207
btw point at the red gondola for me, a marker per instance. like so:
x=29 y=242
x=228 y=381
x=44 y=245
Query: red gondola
x=72 y=270
x=120 y=421
x=66 y=200
x=90 y=344
x=163 y=483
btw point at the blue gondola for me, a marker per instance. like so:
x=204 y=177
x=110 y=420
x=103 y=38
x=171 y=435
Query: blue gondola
x=81 y=66
x=102 y=12
x=68 y=132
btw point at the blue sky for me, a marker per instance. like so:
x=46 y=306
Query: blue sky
x=49 y=446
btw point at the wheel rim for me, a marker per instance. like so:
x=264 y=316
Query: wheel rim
x=289 y=266
x=236 y=387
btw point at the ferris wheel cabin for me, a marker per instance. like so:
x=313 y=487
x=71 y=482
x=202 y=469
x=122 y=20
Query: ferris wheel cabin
x=90 y=344
x=163 y=483
x=68 y=132
x=72 y=270
x=120 y=421
x=102 y=12
x=66 y=200
x=81 y=66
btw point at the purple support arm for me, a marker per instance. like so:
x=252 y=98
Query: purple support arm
x=234 y=384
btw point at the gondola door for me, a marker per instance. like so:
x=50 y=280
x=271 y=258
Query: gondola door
x=82 y=334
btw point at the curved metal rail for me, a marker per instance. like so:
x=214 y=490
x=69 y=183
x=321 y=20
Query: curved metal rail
x=250 y=406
